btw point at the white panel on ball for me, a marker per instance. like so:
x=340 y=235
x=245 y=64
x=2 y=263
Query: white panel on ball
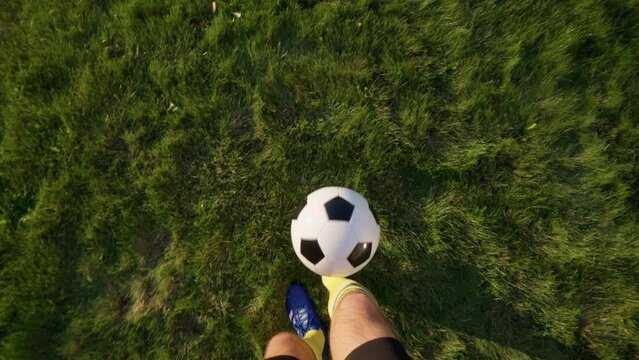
x=295 y=238
x=311 y=220
x=321 y=196
x=337 y=239
x=364 y=225
x=335 y=267
x=352 y=197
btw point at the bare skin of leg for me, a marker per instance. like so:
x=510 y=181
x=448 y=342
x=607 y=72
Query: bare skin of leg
x=356 y=321
x=288 y=344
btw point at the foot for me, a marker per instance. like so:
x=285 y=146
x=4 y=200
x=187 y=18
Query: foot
x=305 y=320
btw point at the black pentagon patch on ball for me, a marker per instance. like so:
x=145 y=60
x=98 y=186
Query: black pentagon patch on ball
x=312 y=251
x=360 y=254
x=339 y=209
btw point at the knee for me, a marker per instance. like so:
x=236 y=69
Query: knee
x=287 y=344
x=282 y=339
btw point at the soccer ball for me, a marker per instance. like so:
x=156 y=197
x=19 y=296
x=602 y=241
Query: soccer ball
x=335 y=233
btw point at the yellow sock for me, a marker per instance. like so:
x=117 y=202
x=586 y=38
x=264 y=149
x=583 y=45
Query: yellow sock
x=315 y=340
x=338 y=287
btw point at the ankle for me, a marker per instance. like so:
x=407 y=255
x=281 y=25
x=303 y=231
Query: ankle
x=338 y=288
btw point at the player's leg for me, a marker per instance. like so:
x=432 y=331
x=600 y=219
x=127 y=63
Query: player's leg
x=359 y=330
x=356 y=321
x=288 y=346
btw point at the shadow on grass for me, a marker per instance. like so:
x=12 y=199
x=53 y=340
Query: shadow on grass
x=426 y=297
x=437 y=296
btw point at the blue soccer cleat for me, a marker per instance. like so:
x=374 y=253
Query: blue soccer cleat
x=305 y=320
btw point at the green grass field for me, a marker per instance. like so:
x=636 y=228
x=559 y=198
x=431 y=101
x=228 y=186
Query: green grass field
x=154 y=153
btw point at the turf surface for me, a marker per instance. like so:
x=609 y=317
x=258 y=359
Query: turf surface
x=154 y=152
